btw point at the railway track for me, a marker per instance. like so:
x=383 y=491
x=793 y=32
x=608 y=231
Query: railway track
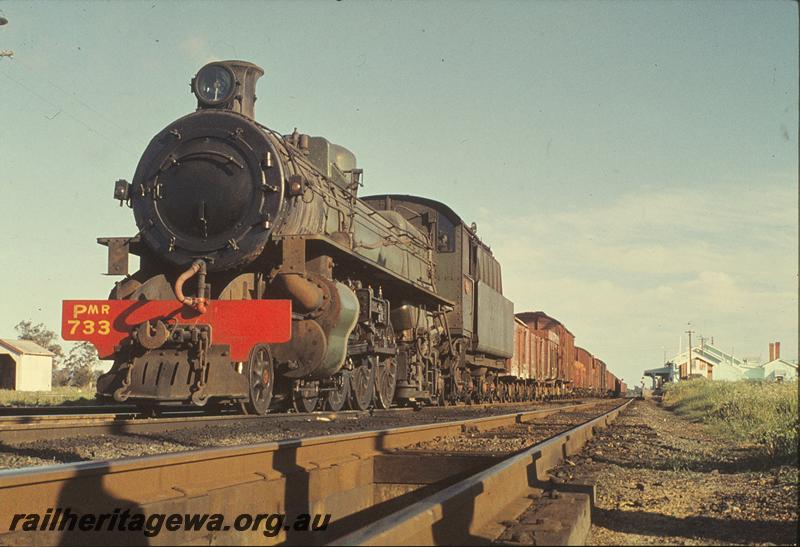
x=511 y=502
x=19 y=411
x=26 y=425
x=19 y=429
x=385 y=486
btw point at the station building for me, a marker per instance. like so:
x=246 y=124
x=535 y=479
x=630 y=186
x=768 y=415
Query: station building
x=25 y=366
x=709 y=361
x=778 y=370
x=662 y=375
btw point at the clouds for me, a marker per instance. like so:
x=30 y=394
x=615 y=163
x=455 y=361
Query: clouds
x=198 y=50
x=628 y=275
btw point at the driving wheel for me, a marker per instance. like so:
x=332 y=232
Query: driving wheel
x=385 y=383
x=337 y=396
x=362 y=386
x=306 y=397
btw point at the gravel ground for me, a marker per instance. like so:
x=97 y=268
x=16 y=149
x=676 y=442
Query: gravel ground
x=513 y=438
x=108 y=447
x=664 y=480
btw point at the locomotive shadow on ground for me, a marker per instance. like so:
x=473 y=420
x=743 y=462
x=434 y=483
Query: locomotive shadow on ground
x=60 y=456
x=297 y=493
x=85 y=493
x=82 y=494
x=456 y=513
x=731 y=531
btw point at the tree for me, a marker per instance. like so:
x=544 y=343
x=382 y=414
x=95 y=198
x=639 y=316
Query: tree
x=60 y=377
x=77 y=368
x=41 y=335
x=80 y=365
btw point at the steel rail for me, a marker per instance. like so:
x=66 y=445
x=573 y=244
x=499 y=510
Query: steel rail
x=19 y=411
x=17 y=429
x=27 y=428
x=327 y=473
x=11 y=412
x=458 y=514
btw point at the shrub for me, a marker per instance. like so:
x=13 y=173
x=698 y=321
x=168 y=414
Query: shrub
x=761 y=413
x=58 y=396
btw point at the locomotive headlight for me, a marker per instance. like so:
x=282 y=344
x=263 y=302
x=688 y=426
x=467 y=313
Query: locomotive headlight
x=214 y=84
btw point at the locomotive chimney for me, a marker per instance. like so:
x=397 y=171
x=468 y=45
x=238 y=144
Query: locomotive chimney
x=227 y=85
x=247 y=74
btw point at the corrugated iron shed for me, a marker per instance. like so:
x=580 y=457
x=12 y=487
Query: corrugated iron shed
x=23 y=347
x=25 y=366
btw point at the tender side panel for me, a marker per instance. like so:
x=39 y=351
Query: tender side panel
x=495 y=322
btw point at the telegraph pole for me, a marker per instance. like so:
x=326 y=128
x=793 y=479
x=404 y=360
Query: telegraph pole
x=689 y=362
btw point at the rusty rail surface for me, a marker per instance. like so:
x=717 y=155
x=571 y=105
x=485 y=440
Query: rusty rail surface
x=330 y=474
x=470 y=511
x=34 y=427
x=17 y=429
x=66 y=409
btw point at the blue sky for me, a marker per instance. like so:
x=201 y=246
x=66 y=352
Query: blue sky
x=632 y=164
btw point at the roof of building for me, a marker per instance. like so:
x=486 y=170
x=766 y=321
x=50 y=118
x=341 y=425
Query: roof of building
x=779 y=362
x=712 y=355
x=23 y=347
x=666 y=370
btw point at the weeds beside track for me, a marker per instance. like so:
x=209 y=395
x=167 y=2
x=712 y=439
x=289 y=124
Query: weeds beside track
x=761 y=414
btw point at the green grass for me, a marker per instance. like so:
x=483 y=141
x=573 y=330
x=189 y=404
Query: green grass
x=760 y=414
x=59 y=395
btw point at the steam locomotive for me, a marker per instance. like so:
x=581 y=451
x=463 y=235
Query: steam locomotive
x=266 y=281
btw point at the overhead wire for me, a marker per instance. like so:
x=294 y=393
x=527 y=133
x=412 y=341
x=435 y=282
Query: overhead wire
x=62 y=109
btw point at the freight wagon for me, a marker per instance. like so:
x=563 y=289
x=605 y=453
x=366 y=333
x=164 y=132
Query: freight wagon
x=559 y=351
x=583 y=368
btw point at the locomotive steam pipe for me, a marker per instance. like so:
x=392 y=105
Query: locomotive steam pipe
x=306 y=295
x=198 y=302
